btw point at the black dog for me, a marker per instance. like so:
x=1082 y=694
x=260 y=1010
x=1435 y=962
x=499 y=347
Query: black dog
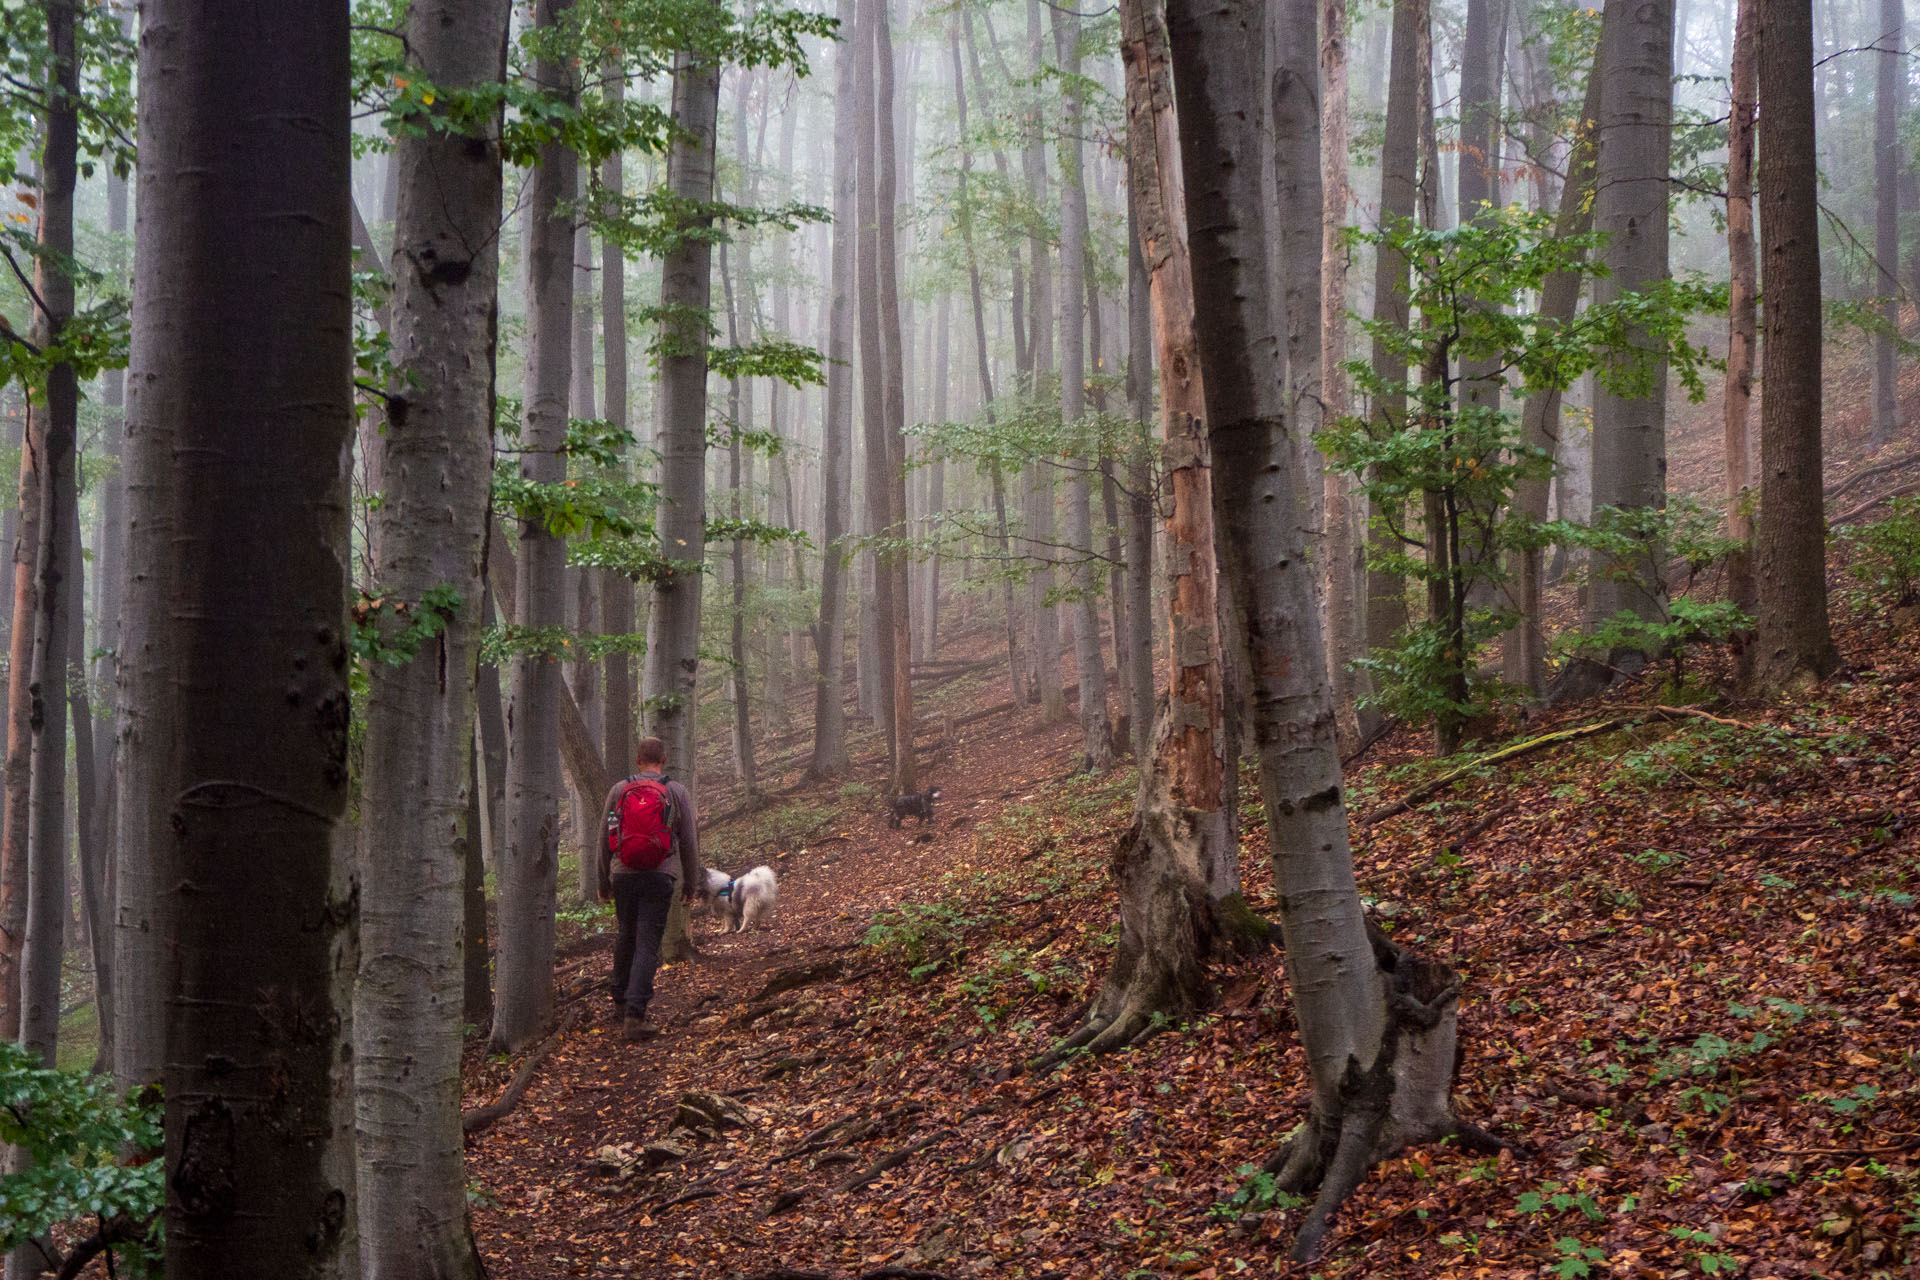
x=918 y=805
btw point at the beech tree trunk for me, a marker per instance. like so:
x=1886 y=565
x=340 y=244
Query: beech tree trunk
x=1096 y=733
x=241 y=419
x=686 y=287
x=56 y=557
x=1037 y=478
x=616 y=589
x=1631 y=206
x=897 y=636
x=1890 y=68
x=530 y=855
x=1377 y=1022
x=1743 y=334
x=1141 y=515
x=876 y=655
x=1523 y=651
x=1173 y=868
x=417 y=783
x=740 y=410
x=1345 y=625
x=1790 y=561
x=1386 y=611
x=836 y=460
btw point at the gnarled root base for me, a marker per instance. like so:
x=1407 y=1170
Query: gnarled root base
x=1168 y=926
x=1402 y=1100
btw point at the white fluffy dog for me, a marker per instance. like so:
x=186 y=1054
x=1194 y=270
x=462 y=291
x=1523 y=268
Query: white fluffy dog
x=739 y=901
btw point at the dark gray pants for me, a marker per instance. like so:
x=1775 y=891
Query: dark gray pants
x=641 y=901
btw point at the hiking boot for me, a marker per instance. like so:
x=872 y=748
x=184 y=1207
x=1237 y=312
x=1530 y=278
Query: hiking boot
x=637 y=1029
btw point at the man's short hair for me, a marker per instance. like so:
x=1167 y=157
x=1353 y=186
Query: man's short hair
x=650 y=751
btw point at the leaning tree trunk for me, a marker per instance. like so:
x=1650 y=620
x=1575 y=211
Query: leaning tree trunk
x=1378 y=1023
x=1096 y=734
x=416 y=790
x=530 y=854
x=242 y=366
x=1523 y=651
x=1173 y=869
x=836 y=461
x=1795 y=641
x=686 y=296
x=1890 y=66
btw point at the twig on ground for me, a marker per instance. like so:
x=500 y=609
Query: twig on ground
x=480 y=1119
x=893 y=1160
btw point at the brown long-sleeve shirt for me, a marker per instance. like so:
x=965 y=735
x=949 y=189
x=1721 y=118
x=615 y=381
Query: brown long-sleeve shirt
x=684 y=866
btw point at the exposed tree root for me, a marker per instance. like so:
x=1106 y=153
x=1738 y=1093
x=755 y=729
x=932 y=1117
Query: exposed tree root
x=893 y=1159
x=1401 y=1101
x=480 y=1119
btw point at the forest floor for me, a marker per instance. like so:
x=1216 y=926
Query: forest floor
x=1691 y=949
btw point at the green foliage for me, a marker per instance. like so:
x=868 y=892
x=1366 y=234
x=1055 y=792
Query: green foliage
x=1259 y=1192
x=1576 y=1259
x=1472 y=288
x=391 y=631
x=1636 y=544
x=923 y=936
x=74 y=1126
x=1883 y=557
x=1711 y=1260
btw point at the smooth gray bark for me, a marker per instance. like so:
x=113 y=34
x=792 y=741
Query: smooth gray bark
x=241 y=372
x=1890 y=73
x=417 y=801
x=615 y=589
x=529 y=855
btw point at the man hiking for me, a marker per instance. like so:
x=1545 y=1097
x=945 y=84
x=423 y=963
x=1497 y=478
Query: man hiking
x=652 y=843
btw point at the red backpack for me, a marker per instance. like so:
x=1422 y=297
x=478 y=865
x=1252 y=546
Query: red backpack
x=640 y=824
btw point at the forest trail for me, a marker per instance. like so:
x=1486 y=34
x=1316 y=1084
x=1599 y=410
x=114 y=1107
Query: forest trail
x=1692 y=981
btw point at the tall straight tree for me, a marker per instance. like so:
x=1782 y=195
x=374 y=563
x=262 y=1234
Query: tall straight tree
x=1743 y=330
x=1377 y=1022
x=616 y=589
x=242 y=366
x=897 y=638
x=1037 y=486
x=1890 y=68
x=1140 y=490
x=1790 y=563
x=1386 y=609
x=836 y=453
x=418 y=773
x=55 y=435
x=1174 y=866
x=1096 y=733
x=1631 y=200
x=680 y=435
x=530 y=855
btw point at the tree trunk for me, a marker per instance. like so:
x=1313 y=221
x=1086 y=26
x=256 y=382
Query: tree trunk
x=417 y=800
x=1742 y=319
x=1523 y=652
x=936 y=482
x=671 y=682
x=529 y=857
x=241 y=373
x=1096 y=734
x=1795 y=641
x=1141 y=511
x=1170 y=867
x=1346 y=641
x=1889 y=63
x=14 y=880
x=963 y=217
x=52 y=433
x=1381 y=1074
x=1386 y=612
x=836 y=462
x=897 y=631
x=616 y=589
x=740 y=411
x=90 y=820
x=1630 y=206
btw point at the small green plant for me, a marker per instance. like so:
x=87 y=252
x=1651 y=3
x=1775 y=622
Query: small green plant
x=1259 y=1192
x=75 y=1126
x=1883 y=557
x=924 y=936
x=1576 y=1259
x=1709 y=1258
x=1552 y=1197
